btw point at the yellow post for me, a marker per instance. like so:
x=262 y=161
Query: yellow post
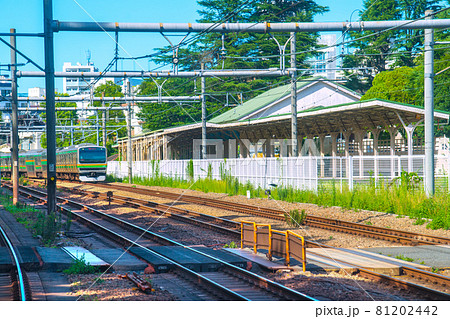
x=288 y=259
x=303 y=246
x=242 y=235
x=303 y=254
x=255 y=238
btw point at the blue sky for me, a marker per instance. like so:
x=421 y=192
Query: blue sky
x=27 y=16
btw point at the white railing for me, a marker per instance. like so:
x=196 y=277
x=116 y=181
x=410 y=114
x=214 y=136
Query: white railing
x=300 y=172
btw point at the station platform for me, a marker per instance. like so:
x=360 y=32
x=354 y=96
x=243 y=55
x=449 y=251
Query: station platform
x=26 y=255
x=56 y=259
x=434 y=256
x=331 y=259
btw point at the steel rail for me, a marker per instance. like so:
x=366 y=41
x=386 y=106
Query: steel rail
x=257 y=280
x=19 y=274
x=408 y=271
x=316 y=221
x=198 y=278
x=422 y=290
x=174 y=212
x=427 y=276
x=432 y=294
x=184 y=215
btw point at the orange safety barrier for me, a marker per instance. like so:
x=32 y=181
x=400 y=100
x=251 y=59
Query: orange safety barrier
x=283 y=244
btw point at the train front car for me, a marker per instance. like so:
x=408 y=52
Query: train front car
x=92 y=163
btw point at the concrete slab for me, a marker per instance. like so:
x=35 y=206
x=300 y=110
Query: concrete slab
x=224 y=255
x=5 y=260
x=160 y=264
x=259 y=259
x=120 y=260
x=54 y=259
x=437 y=256
x=355 y=259
x=89 y=258
x=56 y=286
x=187 y=258
x=27 y=258
x=316 y=262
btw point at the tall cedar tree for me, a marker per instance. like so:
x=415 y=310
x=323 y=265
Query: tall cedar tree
x=243 y=50
x=380 y=50
x=405 y=84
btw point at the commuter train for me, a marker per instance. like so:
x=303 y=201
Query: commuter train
x=84 y=162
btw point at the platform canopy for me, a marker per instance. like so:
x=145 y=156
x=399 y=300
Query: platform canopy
x=362 y=115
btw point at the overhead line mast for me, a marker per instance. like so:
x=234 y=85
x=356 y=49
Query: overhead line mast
x=51 y=26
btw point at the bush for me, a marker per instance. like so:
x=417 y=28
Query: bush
x=294 y=218
x=79 y=266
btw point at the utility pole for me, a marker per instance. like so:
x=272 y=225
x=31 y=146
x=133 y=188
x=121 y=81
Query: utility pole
x=50 y=106
x=294 y=98
x=129 y=148
x=429 y=107
x=71 y=132
x=14 y=121
x=104 y=119
x=203 y=114
x=97 y=128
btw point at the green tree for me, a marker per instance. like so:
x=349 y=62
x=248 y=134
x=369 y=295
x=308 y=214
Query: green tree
x=381 y=50
x=115 y=119
x=63 y=118
x=412 y=40
x=243 y=50
x=371 y=48
x=393 y=85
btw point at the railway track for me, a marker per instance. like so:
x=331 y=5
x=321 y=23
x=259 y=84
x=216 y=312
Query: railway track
x=13 y=286
x=393 y=235
x=228 y=283
x=425 y=277
x=425 y=283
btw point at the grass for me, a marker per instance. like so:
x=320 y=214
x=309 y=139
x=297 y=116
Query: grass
x=80 y=266
x=294 y=218
x=404 y=258
x=44 y=226
x=403 y=196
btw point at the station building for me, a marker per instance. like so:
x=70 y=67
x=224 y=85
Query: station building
x=331 y=121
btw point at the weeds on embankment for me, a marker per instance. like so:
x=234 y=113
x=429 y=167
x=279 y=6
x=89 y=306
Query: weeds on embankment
x=42 y=225
x=403 y=196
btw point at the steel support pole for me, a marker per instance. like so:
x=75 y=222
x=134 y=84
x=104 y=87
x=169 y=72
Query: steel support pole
x=104 y=120
x=97 y=128
x=203 y=115
x=429 y=108
x=50 y=106
x=261 y=27
x=130 y=146
x=71 y=132
x=14 y=121
x=293 y=98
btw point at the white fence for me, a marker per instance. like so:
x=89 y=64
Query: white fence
x=300 y=172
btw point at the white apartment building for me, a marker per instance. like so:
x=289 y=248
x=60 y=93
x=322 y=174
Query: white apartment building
x=74 y=86
x=5 y=92
x=325 y=64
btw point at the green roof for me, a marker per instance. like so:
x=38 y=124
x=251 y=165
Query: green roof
x=318 y=108
x=258 y=102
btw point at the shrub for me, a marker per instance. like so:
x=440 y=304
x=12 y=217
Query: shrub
x=80 y=266
x=294 y=218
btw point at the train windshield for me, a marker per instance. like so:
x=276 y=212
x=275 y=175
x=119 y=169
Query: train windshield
x=92 y=155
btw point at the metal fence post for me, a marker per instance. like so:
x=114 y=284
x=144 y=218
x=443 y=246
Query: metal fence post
x=350 y=173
